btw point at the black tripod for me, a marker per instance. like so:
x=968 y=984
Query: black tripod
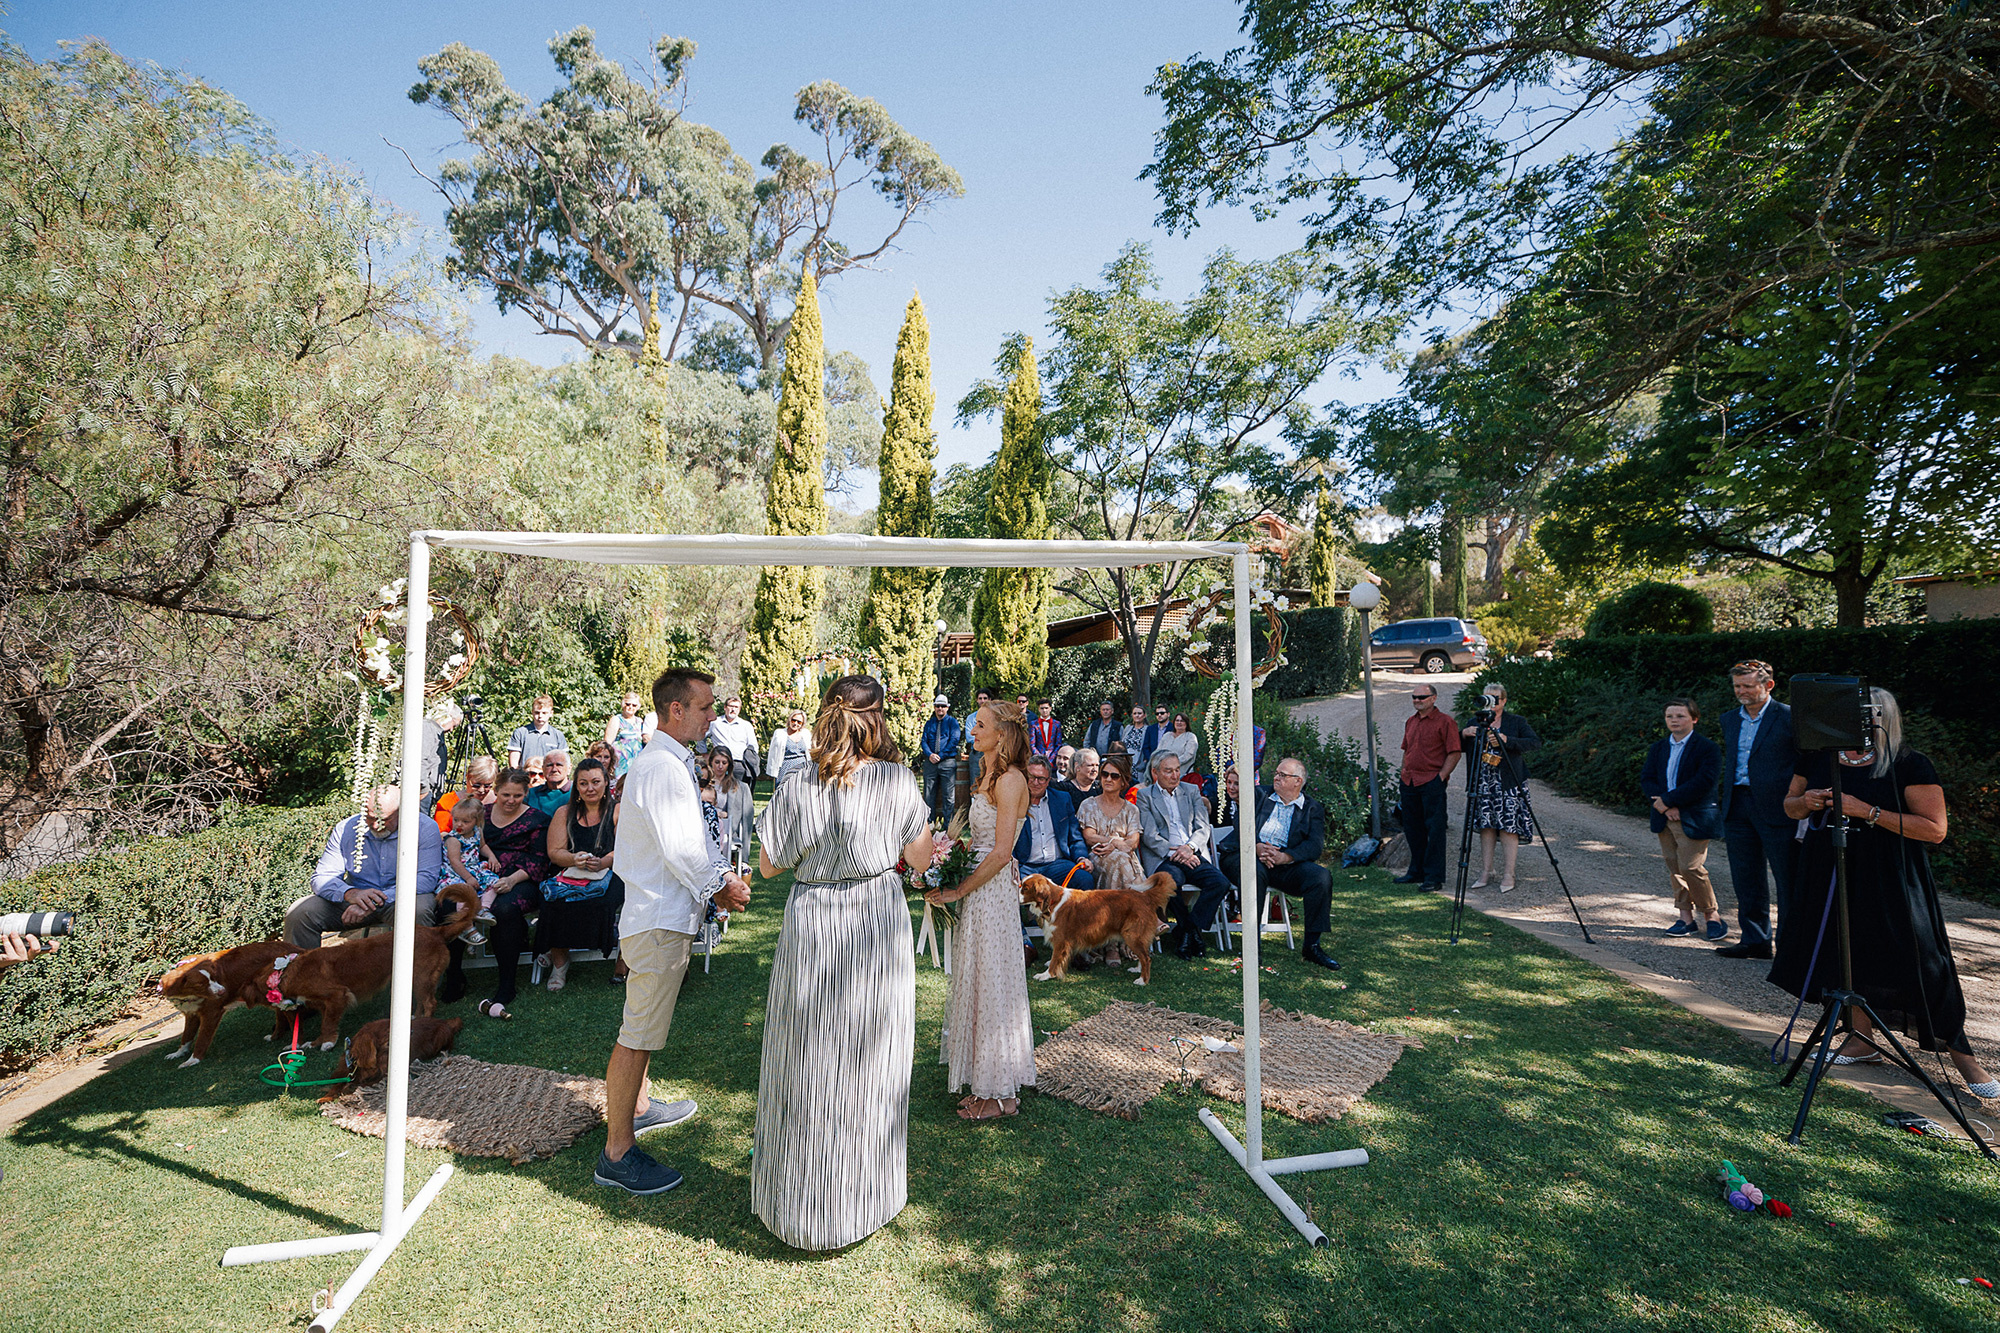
x=473 y=733
x=1465 y=839
x=1836 y=1019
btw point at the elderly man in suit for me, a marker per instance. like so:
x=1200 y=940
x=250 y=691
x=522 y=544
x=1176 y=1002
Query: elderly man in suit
x=1050 y=843
x=1758 y=756
x=1173 y=836
x=1291 y=836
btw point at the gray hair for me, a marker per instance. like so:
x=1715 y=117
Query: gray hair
x=1494 y=687
x=446 y=713
x=1077 y=758
x=1161 y=757
x=1891 y=727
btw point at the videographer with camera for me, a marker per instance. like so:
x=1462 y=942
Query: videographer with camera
x=26 y=936
x=1902 y=960
x=1499 y=803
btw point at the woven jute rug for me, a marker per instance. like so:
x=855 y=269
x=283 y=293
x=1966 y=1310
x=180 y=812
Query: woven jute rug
x=481 y=1110
x=1313 y=1069
x=1118 y=1059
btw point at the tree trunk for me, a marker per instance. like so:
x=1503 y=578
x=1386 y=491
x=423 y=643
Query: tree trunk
x=43 y=741
x=1451 y=558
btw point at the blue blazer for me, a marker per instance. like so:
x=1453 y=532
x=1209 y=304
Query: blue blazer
x=1693 y=793
x=1069 y=837
x=1774 y=755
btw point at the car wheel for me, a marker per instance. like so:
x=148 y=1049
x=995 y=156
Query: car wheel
x=1436 y=662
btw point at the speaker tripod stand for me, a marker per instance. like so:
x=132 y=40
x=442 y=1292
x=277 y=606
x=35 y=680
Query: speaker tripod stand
x=1465 y=833
x=1836 y=1020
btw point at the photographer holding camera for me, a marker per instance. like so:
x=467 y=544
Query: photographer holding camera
x=1499 y=803
x=1902 y=959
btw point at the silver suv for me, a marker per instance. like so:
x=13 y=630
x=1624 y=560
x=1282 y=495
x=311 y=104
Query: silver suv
x=1442 y=644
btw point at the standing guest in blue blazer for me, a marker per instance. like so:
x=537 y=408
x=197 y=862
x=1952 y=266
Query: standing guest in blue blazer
x=1758 y=758
x=1679 y=779
x=942 y=737
x=1050 y=842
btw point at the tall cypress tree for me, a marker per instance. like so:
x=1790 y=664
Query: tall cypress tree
x=897 y=620
x=787 y=607
x=1320 y=571
x=1451 y=556
x=1010 y=614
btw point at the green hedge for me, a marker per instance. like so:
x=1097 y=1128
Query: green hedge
x=1597 y=707
x=142 y=908
x=1651 y=608
x=955 y=683
x=1337 y=769
x=1322 y=653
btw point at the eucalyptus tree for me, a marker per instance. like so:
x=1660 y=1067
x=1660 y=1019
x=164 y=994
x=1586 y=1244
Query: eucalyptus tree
x=1174 y=420
x=578 y=210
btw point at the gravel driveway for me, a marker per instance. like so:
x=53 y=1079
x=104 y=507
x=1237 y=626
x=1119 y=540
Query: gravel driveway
x=1612 y=865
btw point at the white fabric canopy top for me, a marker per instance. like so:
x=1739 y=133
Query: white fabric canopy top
x=834 y=548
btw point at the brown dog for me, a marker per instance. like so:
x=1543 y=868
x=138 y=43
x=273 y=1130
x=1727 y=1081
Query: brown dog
x=1076 y=919
x=205 y=986
x=367 y=1057
x=330 y=979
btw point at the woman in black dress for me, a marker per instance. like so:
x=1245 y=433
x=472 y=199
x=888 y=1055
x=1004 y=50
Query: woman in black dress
x=583 y=833
x=1499 y=781
x=1896 y=931
x=518 y=835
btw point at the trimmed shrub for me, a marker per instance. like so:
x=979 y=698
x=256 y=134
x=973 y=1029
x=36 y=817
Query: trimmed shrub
x=955 y=683
x=1320 y=657
x=1651 y=608
x=1337 y=772
x=142 y=908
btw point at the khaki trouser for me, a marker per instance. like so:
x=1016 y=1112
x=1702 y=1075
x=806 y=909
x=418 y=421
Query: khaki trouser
x=1687 y=869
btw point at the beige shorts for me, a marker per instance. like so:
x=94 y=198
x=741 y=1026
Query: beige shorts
x=658 y=960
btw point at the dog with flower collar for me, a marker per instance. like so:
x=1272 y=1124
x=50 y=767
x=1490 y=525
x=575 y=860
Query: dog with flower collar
x=205 y=986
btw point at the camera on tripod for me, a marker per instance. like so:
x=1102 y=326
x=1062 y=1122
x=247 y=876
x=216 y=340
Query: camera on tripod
x=1484 y=717
x=474 y=706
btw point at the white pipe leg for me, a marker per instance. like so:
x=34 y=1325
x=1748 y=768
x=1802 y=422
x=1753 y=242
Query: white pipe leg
x=237 y=1255
x=1272 y=1191
x=357 y=1282
x=1318 y=1161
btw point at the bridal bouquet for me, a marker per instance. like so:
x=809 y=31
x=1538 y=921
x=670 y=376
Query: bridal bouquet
x=951 y=862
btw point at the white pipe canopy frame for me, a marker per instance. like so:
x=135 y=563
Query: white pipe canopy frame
x=833 y=549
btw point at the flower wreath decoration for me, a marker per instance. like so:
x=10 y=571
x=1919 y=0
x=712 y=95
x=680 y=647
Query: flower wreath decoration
x=1212 y=610
x=843 y=661
x=372 y=654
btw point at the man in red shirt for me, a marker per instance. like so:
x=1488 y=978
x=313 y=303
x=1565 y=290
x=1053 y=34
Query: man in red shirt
x=1430 y=753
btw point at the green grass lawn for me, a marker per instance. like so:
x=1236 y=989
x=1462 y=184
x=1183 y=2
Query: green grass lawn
x=1545 y=1161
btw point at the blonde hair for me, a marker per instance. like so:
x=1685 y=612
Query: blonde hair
x=850 y=729
x=482 y=766
x=1011 y=751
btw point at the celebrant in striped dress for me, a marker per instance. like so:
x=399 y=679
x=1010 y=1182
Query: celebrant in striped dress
x=833 y=1094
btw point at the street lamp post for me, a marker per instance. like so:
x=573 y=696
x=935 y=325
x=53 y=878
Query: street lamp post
x=1365 y=597
x=937 y=655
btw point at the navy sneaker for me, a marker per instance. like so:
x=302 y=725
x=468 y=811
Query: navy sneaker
x=636 y=1174
x=1717 y=931
x=1681 y=928
x=660 y=1114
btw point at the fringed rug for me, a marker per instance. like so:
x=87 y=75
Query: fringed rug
x=1118 y=1059
x=1313 y=1069
x=481 y=1110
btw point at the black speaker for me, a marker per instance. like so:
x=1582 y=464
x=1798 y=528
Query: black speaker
x=1830 y=712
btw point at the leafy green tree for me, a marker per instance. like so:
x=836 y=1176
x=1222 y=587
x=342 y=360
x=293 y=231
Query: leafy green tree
x=578 y=210
x=1010 y=646
x=1170 y=420
x=219 y=383
x=787 y=607
x=902 y=603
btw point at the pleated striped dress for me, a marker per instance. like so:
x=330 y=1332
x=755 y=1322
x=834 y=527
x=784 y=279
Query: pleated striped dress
x=833 y=1092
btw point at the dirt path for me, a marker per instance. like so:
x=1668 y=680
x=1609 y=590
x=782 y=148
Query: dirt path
x=1612 y=865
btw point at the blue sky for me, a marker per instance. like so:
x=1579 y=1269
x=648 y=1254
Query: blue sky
x=1044 y=115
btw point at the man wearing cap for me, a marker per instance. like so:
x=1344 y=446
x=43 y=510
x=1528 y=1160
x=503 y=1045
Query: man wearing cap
x=942 y=735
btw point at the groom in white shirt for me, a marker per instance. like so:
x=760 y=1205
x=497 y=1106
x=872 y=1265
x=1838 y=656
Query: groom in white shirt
x=672 y=870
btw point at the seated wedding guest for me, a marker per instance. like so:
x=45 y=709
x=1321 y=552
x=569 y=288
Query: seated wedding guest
x=607 y=754
x=1045 y=733
x=480 y=771
x=580 y=901
x=1900 y=949
x=1050 y=842
x=1100 y=733
x=734 y=733
x=791 y=747
x=1080 y=782
x=538 y=737
x=354 y=883
x=1679 y=780
x=1174 y=836
x=627 y=733
x=939 y=744
x=1181 y=742
x=1060 y=768
x=1222 y=819
x=517 y=833
x=1291 y=836
x=1110 y=827
x=553 y=789
x=730 y=795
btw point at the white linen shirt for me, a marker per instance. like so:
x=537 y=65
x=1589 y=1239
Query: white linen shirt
x=671 y=867
x=738 y=737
